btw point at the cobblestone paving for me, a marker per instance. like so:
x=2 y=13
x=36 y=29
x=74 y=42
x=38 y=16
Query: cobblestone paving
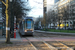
x=39 y=45
x=41 y=42
x=16 y=46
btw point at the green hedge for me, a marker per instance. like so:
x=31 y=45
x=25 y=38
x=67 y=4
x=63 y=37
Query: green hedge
x=54 y=30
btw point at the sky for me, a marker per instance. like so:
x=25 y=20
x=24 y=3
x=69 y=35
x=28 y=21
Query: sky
x=50 y=3
x=37 y=7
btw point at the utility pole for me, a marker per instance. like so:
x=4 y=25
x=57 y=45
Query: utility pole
x=7 y=21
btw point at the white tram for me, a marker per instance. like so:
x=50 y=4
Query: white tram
x=26 y=26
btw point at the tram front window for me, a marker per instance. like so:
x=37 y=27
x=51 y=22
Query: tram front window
x=29 y=25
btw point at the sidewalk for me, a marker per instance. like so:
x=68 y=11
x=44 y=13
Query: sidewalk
x=62 y=33
x=18 y=38
x=1 y=36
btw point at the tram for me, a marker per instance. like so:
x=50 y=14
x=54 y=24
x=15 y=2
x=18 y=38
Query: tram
x=26 y=26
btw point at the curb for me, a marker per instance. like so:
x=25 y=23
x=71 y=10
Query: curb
x=11 y=39
x=60 y=33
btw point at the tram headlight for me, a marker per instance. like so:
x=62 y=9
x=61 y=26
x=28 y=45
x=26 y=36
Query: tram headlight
x=32 y=30
x=25 y=30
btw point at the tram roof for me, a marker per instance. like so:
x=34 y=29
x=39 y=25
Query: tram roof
x=28 y=18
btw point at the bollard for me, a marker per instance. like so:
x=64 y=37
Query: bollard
x=15 y=33
x=15 y=27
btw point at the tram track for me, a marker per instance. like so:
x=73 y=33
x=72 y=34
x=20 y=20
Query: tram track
x=39 y=45
x=69 y=44
x=65 y=45
x=50 y=45
x=55 y=45
x=32 y=44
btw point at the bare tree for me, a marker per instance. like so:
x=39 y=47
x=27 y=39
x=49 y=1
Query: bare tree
x=37 y=21
x=49 y=15
x=65 y=15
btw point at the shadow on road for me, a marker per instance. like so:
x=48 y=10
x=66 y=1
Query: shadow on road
x=27 y=35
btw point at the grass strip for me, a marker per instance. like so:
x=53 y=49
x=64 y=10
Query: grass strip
x=54 y=30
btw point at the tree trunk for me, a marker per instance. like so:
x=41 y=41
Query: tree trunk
x=7 y=23
x=65 y=24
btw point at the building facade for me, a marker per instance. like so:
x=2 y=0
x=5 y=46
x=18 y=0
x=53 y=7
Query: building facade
x=55 y=1
x=64 y=13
